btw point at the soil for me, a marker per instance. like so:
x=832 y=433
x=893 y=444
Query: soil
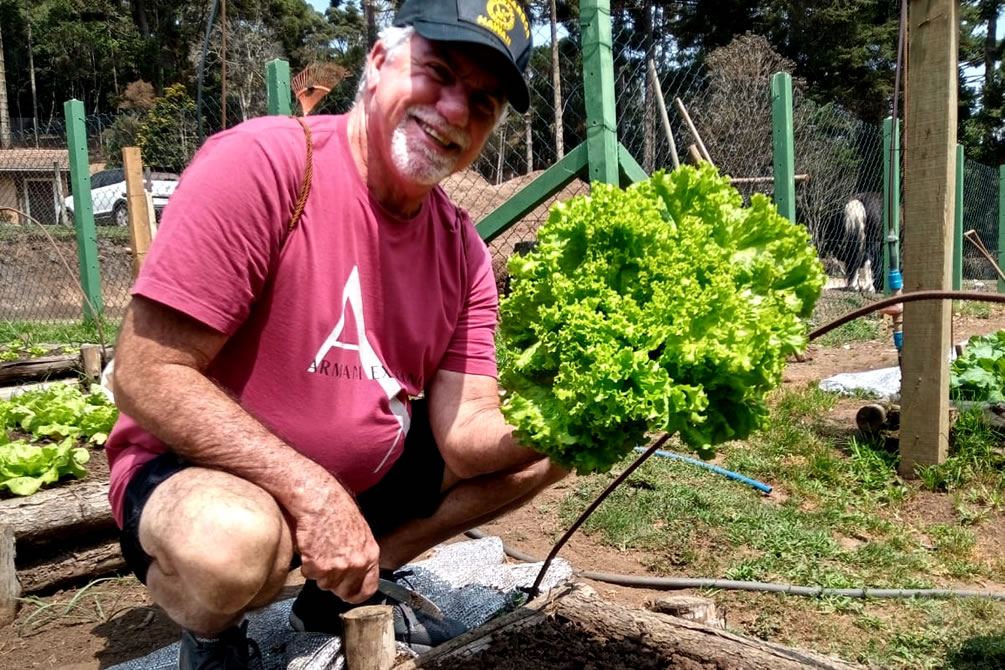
x=581 y=650
x=114 y=621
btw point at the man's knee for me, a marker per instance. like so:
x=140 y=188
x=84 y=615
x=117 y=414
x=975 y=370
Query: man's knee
x=223 y=534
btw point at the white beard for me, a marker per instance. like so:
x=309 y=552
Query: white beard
x=413 y=157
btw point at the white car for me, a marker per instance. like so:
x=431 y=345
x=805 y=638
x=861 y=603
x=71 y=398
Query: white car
x=108 y=195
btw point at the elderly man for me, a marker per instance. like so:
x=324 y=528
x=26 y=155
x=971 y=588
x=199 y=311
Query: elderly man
x=307 y=285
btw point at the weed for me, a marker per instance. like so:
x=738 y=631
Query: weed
x=68 y=332
x=860 y=330
x=88 y=605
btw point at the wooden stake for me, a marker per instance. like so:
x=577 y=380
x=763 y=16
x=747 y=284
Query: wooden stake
x=136 y=197
x=695 y=155
x=369 y=638
x=694 y=131
x=10 y=587
x=90 y=356
x=654 y=78
x=929 y=199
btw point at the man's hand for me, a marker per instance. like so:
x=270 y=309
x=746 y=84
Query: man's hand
x=336 y=544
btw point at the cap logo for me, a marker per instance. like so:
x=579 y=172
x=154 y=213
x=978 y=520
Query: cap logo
x=500 y=18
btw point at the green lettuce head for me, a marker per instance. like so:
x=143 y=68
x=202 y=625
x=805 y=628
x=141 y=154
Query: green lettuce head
x=664 y=307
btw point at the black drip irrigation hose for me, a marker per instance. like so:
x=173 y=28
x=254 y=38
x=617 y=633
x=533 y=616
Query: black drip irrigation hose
x=813 y=591
x=680 y=583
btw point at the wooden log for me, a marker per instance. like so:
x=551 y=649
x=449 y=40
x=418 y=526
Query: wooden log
x=665 y=641
x=36 y=368
x=369 y=637
x=72 y=565
x=59 y=514
x=10 y=587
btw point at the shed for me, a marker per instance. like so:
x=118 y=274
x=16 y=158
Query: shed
x=28 y=181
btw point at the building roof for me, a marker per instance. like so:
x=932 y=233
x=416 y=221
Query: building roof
x=33 y=160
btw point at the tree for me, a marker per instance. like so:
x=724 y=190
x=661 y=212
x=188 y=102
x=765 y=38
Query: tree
x=982 y=101
x=168 y=136
x=4 y=112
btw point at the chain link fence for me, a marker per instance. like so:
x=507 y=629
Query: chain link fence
x=728 y=98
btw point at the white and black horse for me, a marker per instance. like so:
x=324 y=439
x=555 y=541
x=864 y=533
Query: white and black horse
x=863 y=242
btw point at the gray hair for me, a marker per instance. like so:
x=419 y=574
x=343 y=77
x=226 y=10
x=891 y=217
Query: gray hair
x=394 y=38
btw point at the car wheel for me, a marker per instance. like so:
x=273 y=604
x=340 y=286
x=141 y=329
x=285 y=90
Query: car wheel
x=120 y=215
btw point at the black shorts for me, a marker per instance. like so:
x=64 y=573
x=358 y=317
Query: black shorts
x=410 y=490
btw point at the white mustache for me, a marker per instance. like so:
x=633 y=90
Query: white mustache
x=432 y=118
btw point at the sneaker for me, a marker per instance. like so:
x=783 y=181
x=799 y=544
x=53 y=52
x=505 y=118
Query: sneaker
x=317 y=611
x=232 y=650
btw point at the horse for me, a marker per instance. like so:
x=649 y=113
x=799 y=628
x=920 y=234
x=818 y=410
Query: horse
x=863 y=242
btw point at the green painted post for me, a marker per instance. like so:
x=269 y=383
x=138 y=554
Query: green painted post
x=277 y=87
x=891 y=183
x=783 y=142
x=83 y=210
x=598 y=79
x=958 y=227
x=1001 y=224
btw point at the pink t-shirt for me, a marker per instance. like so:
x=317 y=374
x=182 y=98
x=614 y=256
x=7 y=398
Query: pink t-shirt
x=331 y=327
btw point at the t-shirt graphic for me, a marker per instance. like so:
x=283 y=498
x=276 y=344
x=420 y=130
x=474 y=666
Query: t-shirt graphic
x=371 y=364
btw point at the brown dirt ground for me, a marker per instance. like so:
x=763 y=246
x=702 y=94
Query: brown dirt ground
x=128 y=625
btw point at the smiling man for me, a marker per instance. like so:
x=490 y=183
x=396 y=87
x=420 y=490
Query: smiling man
x=306 y=372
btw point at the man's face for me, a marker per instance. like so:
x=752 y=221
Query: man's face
x=434 y=105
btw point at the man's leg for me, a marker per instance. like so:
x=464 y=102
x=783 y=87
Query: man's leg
x=464 y=505
x=219 y=546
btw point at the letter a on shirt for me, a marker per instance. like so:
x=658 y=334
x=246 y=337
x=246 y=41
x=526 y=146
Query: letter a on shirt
x=371 y=363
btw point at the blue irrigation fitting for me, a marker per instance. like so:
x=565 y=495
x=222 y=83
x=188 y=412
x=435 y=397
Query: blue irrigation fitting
x=895 y=280
x=760 y=486
x=898 y=340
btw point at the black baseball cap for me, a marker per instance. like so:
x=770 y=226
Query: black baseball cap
x=500 y=24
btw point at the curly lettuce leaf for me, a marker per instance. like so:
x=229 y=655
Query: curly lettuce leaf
x=667 y=306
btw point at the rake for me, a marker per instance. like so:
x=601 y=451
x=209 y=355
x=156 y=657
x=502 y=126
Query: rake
x=316 y=81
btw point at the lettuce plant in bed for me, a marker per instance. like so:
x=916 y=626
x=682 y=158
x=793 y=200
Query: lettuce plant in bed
x=667 y=306
x=25 y=467
x=979 y=374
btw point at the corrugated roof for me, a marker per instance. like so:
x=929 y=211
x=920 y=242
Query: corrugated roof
x=33 y=160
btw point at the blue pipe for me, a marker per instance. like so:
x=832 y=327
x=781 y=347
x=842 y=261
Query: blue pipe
x=760 y=486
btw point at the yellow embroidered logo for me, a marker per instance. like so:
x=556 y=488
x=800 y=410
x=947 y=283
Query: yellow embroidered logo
x=501 y=19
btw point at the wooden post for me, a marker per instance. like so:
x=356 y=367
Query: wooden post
x=90 y=357
x=10 y=587
x=929 y=199
x=369 y=637
x=136 y=197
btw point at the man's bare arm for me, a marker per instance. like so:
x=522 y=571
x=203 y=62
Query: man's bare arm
x=469 y=428
x=160 y=382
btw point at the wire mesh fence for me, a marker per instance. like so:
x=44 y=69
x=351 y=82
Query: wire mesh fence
x=727 y=97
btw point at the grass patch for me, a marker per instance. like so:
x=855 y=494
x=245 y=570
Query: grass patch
x=972 y=308
x=16 y=233
x=842 y=518
x=33 y=333
x=864 y=329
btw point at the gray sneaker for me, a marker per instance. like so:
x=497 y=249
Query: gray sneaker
x=317 y=611
x=232 y=650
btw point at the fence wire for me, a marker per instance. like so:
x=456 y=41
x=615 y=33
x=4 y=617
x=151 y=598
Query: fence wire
x=728 y=99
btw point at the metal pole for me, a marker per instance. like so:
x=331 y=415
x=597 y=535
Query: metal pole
x=598 y=79
x=958 y=222
x=223 y=64
x=783 y=143
x=891 y=189
x=83 y=211
x=1001 y=224
x=277 y=87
